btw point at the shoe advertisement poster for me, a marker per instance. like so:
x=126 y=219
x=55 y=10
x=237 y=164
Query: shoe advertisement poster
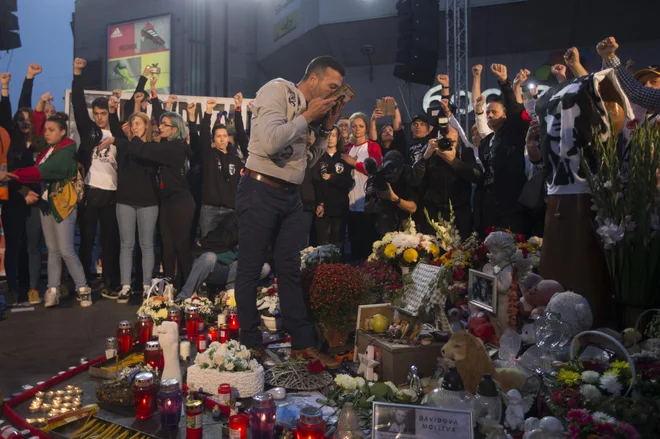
x=136 y=45
x=399 y=421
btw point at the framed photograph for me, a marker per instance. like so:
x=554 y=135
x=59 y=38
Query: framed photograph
x=401 y=421
x=482 y=291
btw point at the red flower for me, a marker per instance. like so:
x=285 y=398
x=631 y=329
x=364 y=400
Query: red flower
x=459 y=273
x=525 y=252
x=572 y=403
x=557 y=398
x=481 y=252
x=521 y=237
x=489 y=230
x=315 y=366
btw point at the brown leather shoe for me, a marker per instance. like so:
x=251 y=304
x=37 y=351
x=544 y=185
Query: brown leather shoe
x=314 y=354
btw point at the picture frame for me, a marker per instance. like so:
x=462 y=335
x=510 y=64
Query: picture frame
x=403 y=421
x=482 y=291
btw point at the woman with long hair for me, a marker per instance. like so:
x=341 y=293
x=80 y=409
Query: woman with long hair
x=21 y=220
x=137 y=201
x=56 y=170
x=332 y=182
x=177 y=206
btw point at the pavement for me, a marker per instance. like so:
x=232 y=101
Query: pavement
x=36 y=345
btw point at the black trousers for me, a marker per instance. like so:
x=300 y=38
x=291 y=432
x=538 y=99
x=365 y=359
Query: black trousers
x=361 y=234
x=100 y=206
x=176 y=219
x=331 y=230
x=269 y=216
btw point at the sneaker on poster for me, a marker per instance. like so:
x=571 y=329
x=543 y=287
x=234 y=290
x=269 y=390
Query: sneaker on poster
x=33 y=297
x=51 y=298
x=85 y=297
x=125 y=294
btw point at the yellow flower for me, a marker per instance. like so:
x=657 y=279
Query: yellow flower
x=613 y=372
x=410 y=255
x=231 y=302
x=568 y=377
x=390 y=251
x=162 y=313
x=619 y=364
x=435 y=251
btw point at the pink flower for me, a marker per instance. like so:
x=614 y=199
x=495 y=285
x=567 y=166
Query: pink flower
x=572 y=403
x=574 y=431
x=575 y=415
x=627 y=430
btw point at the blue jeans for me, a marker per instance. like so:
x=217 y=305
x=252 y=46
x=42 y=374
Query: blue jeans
x=59 y=240
x=205 y=269
x=19 y=222
x=270 y=216
x=210 y=217
x=146 y=218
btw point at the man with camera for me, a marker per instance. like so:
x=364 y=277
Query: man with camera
x=445 y=174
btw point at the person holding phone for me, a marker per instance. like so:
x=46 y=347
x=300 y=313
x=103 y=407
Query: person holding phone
x=268 y=204
x=392 y=136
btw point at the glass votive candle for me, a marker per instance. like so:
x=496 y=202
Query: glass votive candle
x=53 y=413
x=60 y=393
x=70 y=392
x=192 y=317
x=67 y=398
x=174 y=315
x=45 y=407
x=232 y=321
x=238 y=426
x=111 y=347
x=223 y=334
x=40 y=395
x=222 y=319
x=50 y=394
x=152 y=354
x=262 y=416
x=67 y=405
x=144 y=392
x=34 y=408
x=202 y=342
x=194 y=424
x=170 y=400
x=56 y=404
x=145 y=328
x=213 y=333
x=125 y=337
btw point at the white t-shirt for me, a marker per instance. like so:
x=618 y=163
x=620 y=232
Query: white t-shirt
x=103 y=171
x=356 y=197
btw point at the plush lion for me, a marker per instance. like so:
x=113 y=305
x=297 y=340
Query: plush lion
x=469 y=355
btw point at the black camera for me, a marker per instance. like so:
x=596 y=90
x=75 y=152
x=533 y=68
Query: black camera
x=441 y=123
x=389 y=172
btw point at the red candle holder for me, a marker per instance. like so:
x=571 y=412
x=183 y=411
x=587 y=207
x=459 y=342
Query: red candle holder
x=192 y=317
x=145 y=328
x=238 y=426
x=202 y=342
x=224 y=333
x=194 y=425
x=125 y=336
x=174 y=315
x=232 y=320
x=144 y=393
x=152 y=355
x=311 y=424
x=213 y=333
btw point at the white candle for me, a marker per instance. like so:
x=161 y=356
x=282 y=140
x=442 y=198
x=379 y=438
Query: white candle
x=222 y=319
x=110 y=353
x=184 y=349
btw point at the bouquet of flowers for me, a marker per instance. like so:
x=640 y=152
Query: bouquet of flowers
x=385 y=281
x=335 y=291
x=268 y=301
x=405 y=249
x=627 y=206
x=225 y=301
x=227 y=357
x=206 y=309
x=156 y=307
x=585 y=425
x=325 y=254
x=445 y=231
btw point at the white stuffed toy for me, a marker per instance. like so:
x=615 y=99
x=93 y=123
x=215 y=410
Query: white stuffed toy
x=573 y=308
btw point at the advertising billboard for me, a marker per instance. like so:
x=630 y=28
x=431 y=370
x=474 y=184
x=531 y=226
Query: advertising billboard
x=135 y=45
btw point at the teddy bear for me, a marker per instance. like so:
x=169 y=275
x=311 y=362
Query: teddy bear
x=537 y=292
x=573 y=309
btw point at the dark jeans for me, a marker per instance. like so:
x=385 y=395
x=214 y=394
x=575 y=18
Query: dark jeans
x=266 y=216
x=308 y=223
x=176 y=218
x=100 y=205
x=331 y=230
x=21 y=223
x=361 y=234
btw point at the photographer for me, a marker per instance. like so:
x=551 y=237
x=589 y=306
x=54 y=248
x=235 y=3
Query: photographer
x=445 y=174
x=397 y=201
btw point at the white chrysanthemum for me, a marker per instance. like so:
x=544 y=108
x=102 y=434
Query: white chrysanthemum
x=218 y=360
x=603 y=417
x=590 y=392
x=229 y=365
x=590 y=377
x=611 y=384
x=202 y=359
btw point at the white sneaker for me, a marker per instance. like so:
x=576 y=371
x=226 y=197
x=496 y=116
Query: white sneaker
x=125 y=294
x=85 y=294
x=51 y=298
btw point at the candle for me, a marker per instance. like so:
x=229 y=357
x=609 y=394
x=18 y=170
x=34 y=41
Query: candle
x=238 y=426
x=152 y=354
x=174 y=315
x=170 y=400
x=224 y=394
x=194 y=426
x=201 y=342
x=232 y=319
x=213 y=333
x=262 y=416
x=144 y=392
x=46 y=408
x=145 y=328
x=184 y=350
x=224 y=333
x=222 y=319
x=125 y=336
x=192 y=317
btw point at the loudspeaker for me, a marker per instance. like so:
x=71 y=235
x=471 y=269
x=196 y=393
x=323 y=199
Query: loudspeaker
x=418 y=41
x=8 y=24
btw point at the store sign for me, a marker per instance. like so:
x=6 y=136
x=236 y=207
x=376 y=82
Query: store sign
x=135 y=45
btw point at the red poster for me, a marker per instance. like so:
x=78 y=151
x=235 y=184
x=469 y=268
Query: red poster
x=121 y=41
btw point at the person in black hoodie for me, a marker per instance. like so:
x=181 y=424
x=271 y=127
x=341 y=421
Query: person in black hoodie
x=332 y=182
x=137 y=200
x=21 y=219
x=177 y=206
x=99 y=203
x=221 y=172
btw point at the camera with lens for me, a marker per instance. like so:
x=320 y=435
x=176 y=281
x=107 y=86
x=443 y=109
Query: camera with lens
x=379 y=176
x=440 y=121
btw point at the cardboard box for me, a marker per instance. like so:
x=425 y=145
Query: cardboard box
x=396 y=359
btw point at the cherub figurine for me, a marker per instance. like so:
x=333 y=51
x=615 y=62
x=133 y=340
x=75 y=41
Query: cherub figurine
x=517 y=406
x=501 y=258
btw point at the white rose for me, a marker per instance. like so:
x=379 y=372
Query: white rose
x=202 y=359
x=254 y=364
x=391 y=385
x=218 y=360
x=360 y=382
x=229 y=365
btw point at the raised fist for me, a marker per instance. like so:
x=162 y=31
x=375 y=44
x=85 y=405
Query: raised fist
x=500 y=72
x=152 y=81
x=191 y=107
x=479 y=104
x=46 y=97
x=521 y=77
x=171 y=99
x=34 y=70
x=79 y=63
x=476 y=70
x=5 y=78
x=443 y=80
x=211 y=103
x=139 y=96
x=113 y=103
x=607 y=48
x=116 y=92
x=238 y=99
x=559 y=70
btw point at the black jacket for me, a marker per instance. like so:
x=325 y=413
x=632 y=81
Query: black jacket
x=221 y=172
x=503 y=157
x=224 y=237
x=333 y=193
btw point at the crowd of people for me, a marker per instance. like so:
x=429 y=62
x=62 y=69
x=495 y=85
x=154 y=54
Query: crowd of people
x=194 y=190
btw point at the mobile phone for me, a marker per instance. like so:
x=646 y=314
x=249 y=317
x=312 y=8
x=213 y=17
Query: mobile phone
x=385 y=106
x=344 y=91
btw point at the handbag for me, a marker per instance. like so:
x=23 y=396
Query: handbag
x=532 y=195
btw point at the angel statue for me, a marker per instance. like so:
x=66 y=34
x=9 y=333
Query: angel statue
x=503 y=255
x=517 y=406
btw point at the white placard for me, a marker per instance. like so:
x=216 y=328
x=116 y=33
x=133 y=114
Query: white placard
x=400 y=421
x=420 y=291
